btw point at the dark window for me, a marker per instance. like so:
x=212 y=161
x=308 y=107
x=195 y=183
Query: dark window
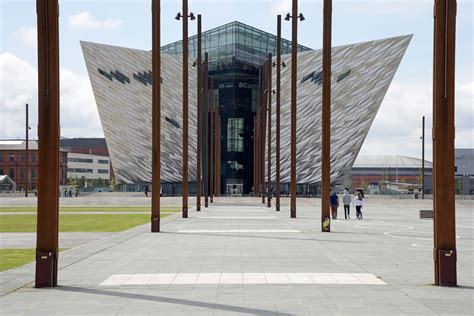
x=172 y=122
x=103 y=171
x=344 y=75
x=11 y=174
x=23 y=174
x=1 y=172
x=33 y=157
x=455 y=168
x=84 y=160
x=80 y=170
x=23 y=157
x=235 y=130
x=103 y=161
x=1 y=157
x=12 y=157
x=33 y=173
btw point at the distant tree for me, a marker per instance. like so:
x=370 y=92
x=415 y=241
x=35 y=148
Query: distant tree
x=100 y=182
x=112 y=184
x=72 y=181
x=82 y=182
x=459 y=186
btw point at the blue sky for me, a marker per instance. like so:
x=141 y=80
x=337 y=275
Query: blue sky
x=396 y=129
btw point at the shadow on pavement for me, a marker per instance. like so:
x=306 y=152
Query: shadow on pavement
x=179 y=301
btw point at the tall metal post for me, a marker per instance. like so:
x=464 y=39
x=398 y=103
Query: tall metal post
x=443 y=143
x=185 y=186
x=48 y=151
x=263 y=105
x=218 y=152
x=27 y=127
x=269 y=137
x=156 y=117
x=423 y=158
x=199 y=114
x=212 y=139
x=277 y=141
x=206 y=128
x=255 y=156
x=326 y=119
x=294 y=65
x=217 y=138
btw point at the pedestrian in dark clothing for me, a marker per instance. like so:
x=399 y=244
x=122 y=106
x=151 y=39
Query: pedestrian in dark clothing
x=146 y=191
x=70 y=193
x=334 y=199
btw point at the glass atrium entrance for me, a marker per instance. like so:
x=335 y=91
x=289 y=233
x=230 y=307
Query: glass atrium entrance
x=236 y=52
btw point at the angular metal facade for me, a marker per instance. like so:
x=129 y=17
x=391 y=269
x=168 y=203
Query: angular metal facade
x=121 y=82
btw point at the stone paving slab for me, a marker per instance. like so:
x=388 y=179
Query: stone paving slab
x=391 y=243
x=66 y=240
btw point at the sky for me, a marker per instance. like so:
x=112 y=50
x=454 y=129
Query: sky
x=397 y=126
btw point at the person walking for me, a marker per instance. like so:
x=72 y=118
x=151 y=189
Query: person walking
x=334 y=200
x=146 y=191
x=358 y=203
x=346 y=200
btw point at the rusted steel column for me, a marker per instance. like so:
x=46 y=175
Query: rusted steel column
x=206 y=129
x=326 y=119
x=185 y=186
x=156 y=117
x=443 y=143
x=218 y=152
x=255 y=155
x=277 y=141
x=216 y=146
x=199 y=114
x=269 y=137
x=263 y=105
x=294 y=65
x=27 y=151
x=423 y=158
x=48 y=145
x=212 y=139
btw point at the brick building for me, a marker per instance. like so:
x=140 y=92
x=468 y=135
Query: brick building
x=13 y=163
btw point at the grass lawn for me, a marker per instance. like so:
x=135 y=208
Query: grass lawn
x=11 y=258
x=76 y=222
x=90 y=209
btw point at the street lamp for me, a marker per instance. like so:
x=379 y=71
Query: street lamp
x=185 y=186
x=294 y=65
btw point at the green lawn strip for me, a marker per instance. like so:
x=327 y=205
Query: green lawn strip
x=12 y=258
x=76 y=222
x=91 y=209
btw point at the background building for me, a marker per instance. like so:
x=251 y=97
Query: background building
x=13 y=163
x=121 y=81
x=397 y=173
x=92 y=167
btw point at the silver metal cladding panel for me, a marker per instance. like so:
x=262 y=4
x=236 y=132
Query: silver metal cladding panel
x=125 y=111
x=125 y=108
x=356 y=97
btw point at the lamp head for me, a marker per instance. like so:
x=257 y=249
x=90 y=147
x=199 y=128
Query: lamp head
x=192 y=17
x=287 y=17
x=178 y=16
x=301 y=16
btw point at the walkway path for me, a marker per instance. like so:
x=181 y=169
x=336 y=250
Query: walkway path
x=237 y=260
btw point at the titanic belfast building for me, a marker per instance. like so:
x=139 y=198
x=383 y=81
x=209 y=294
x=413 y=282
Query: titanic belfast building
x=122 y=83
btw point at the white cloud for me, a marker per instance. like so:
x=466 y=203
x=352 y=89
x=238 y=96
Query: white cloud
x=18 y=85
x=27 y=36
x=85 y=20
x=397 y=126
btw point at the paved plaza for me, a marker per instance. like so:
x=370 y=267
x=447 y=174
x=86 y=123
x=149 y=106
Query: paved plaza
x=239 y=257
